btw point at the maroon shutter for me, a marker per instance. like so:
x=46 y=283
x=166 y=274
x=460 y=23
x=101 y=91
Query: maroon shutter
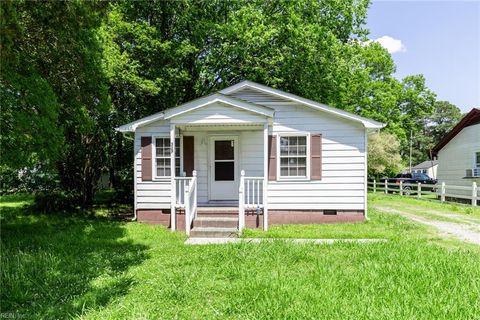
x=188 y=165
x=316 y=157
x=146 y=153
x=272 y=158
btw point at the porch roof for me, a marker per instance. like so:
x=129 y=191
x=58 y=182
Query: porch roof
x=197 y=104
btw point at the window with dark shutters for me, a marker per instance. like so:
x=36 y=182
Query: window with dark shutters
x=146 y=154
x=272 y=157
x=316 y=157
x=188 y=152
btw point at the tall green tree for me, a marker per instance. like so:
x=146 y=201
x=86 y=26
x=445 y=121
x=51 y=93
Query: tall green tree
x=445 y=116
x=53 y=71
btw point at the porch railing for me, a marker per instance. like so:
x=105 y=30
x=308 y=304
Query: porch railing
x=250 y=197
x=190 y=202
x=181 y=184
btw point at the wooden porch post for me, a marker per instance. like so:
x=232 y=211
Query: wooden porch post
x=265 y=176
x=173 y=188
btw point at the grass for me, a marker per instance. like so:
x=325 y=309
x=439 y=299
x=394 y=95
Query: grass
x=92 y=268
x=378 y=226
x=427 y=204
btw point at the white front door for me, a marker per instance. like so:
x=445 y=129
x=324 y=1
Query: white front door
x=223 y=168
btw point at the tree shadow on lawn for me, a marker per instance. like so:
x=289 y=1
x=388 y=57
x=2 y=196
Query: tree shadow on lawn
x=54 y=267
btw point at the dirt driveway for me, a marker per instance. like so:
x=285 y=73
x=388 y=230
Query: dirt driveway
x=448 y=224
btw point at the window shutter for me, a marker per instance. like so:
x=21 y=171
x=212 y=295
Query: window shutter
x=146 y=153
x=188 y=163
x=316 y=157
x=272 y=157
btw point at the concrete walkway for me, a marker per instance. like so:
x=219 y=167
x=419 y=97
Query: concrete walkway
x=204 y=241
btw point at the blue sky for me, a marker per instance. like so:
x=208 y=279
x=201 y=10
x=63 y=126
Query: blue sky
x=439 y=39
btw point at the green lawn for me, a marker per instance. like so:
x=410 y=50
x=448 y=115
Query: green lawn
x=60 y=267
x=428 y=204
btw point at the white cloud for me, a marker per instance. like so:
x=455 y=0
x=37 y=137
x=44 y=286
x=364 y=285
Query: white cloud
x=391 y=44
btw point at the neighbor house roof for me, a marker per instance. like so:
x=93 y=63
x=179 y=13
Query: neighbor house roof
x=223 y=96
x=470 y=119
x=426 y=164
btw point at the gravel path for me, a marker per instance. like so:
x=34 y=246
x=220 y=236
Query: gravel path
x=468 y=232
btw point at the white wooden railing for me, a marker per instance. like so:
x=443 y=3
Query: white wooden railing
x=190 y=202
x=441 y=190
x=181 y=184
x=250 y=197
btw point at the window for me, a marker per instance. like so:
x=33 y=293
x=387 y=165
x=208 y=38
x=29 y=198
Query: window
x=162 y=157
x=293 y=156
x=476 y=169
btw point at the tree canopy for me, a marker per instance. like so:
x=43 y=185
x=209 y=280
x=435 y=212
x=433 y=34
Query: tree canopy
x=73 y=71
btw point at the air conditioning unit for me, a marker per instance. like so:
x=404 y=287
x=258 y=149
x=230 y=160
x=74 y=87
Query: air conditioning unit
x=469 y=173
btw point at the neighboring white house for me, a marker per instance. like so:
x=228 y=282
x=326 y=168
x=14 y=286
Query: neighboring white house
x=428 y=167
x=458 y=153
x=308 y=158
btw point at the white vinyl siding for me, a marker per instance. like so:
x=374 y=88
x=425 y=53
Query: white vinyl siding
x=218 y=113
x=457 y=156
x=151 y=194
x=342 y=186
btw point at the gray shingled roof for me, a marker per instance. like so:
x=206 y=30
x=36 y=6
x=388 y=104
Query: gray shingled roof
x=426 y=164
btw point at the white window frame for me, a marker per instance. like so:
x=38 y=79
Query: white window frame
x=308 y=159
x=154 y=156
x=476 y=165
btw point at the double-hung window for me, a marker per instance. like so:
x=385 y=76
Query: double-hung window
x=162 y=157
x=293 y=156
x=476 y=168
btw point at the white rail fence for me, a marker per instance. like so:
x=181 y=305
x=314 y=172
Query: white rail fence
x=190 y=202
x=443 y=191
x=251 y=197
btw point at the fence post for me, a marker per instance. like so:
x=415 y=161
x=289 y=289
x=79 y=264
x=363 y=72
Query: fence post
x=386 y=186
x=442 y=194
x=419 y=190
x=374 y=185
x=401 y=187
x=474 y=193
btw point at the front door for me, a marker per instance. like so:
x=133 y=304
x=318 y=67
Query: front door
x=223 y=173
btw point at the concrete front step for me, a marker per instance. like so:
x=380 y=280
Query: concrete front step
x=217 y=211
x=213 y=232
x=216 y=221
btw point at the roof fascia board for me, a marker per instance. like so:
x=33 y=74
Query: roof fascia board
x=132 y=126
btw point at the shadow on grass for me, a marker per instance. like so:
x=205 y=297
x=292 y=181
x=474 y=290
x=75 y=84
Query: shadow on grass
x=55 y=267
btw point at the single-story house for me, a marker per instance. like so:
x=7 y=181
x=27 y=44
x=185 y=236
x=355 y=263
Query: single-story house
x=263 y=155
x=428 y=167
x=458 y=153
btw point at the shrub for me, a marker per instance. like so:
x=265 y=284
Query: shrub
x=27 y=180
x=55 y=201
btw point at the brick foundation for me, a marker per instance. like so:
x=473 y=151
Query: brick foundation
x=313 y=217
x=160 y=216
x=252 y=220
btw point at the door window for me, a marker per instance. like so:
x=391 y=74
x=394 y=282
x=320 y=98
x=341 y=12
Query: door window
x=224 y=160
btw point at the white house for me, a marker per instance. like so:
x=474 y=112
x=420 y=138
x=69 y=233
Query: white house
x=230 y=148
x=428 y=167
x=458 y=153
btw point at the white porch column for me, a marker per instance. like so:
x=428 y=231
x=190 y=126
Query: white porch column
x=173 y=187
x=265 y=176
